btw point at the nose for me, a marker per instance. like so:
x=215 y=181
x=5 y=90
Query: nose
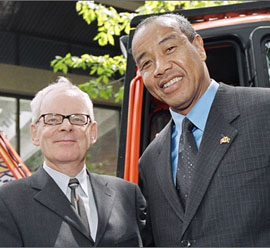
x=162 y=65
x=66 y=126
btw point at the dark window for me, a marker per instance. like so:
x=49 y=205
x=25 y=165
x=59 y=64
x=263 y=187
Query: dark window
x=222 y=62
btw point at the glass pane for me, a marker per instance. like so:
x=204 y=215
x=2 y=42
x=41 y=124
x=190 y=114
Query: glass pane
x=267 y=52
x=30 y=154
x=8 y=118
x=102 y=156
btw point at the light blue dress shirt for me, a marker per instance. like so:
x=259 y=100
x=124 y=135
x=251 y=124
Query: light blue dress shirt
x=198 y=116
x=84 y=190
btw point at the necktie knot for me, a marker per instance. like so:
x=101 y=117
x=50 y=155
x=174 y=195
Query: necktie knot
x=73 y=183
x=187 y=125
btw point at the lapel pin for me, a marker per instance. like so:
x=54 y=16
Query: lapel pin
x=224 y=140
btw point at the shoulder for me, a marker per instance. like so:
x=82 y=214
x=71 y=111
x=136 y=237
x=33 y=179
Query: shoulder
x=121 y=189
x=246 y=99
x=246 y=93
x=15 y=192
x=24 y=186
x=163 y=137
x=15 y=185
x=115 y=182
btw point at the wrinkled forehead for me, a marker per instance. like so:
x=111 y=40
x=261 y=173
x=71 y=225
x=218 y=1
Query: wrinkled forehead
x=157 y=25
x=153 y=32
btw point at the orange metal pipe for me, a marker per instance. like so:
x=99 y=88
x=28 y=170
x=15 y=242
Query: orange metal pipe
x=129 y=129
x=133 y=129
x=136 y=130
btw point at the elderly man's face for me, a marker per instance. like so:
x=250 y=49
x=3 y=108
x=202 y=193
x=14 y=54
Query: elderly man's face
x=64 y=143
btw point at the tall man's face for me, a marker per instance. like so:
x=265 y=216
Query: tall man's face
x=172 y=67
x=64 y=143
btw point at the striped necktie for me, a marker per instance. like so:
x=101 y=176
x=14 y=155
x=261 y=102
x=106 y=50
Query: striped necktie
x=77 y=202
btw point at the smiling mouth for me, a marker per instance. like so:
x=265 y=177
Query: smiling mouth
x=171 y=82
x=65 y=141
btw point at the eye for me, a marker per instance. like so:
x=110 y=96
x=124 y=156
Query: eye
x=52 y=120
x=145 y=64
x=170 y=49
x=78 y=119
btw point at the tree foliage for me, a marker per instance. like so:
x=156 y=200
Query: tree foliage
x=110 y=23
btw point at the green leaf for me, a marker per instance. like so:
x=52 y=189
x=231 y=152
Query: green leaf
x=103 y=40
x=111 y=39
x=105 y=79
x=100 y=70
x=119 y=95
x=78 y=6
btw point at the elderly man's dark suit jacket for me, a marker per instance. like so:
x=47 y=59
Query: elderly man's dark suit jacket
x=35 y=212
x=229 y=202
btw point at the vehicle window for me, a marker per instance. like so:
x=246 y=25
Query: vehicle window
x=222 y=63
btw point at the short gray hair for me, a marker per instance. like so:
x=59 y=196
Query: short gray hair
x=61 y=83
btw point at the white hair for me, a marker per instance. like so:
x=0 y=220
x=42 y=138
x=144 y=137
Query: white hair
x=61 y=83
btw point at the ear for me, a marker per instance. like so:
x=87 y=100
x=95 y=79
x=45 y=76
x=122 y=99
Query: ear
x=198 y=43
x=93 y=133
x=34 y=135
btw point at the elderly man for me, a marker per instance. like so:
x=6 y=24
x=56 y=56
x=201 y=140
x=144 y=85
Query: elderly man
x=63 y=204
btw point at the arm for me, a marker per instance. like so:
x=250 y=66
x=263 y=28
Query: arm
x=9 y=232
x=146 y=232
x=141 y=208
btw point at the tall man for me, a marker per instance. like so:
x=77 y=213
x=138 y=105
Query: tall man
x=206 y=176
x=64 y=204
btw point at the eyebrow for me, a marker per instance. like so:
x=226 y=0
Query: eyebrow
x=170 y=37
x=140 y=57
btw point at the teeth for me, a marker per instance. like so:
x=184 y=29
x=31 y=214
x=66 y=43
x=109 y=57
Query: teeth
x=171 y=82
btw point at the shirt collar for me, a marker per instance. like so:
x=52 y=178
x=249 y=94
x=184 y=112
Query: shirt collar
x=82 y=177
x=62 y=179
x=199 y=112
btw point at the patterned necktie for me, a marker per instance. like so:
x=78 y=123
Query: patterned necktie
x=187 y=152
x=77 y=202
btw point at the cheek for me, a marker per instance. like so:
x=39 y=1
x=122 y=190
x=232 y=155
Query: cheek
x=148 y=80
x=45 y=136
x=85 y=139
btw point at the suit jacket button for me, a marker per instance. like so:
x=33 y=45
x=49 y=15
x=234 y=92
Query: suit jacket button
x=186 y=243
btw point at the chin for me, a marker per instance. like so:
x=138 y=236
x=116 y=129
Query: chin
x=67 y=157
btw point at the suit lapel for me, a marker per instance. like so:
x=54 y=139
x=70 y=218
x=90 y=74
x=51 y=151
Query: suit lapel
x=224 y=110
x=53 y=198
x=104 y=197
x=164 y=170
